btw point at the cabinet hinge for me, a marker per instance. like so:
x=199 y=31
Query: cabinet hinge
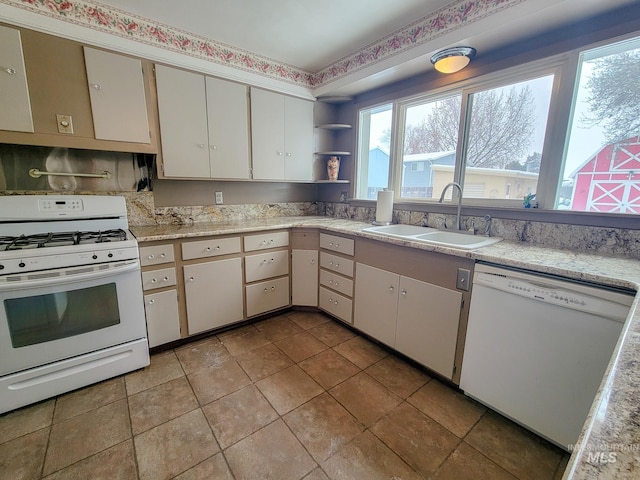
x=462 y=304
x=455 y=369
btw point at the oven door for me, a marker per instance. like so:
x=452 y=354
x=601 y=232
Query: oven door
x=58 y=314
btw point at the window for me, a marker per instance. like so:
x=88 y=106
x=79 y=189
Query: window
x=507 y=127
x=602 y=160
x=374 y=142
x=502 y=136
x=429 y=140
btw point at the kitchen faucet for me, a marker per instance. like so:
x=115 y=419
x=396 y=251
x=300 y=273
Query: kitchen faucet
x=457 y=185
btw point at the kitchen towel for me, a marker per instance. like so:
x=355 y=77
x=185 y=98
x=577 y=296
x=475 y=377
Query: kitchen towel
x=384 y=206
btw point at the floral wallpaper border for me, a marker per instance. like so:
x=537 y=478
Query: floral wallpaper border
x=104 y=18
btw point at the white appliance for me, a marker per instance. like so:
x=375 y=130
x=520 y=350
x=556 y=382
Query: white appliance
x=71 y=303
x=537 y=347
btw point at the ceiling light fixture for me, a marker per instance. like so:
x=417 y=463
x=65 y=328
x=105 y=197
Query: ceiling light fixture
x=454 y=59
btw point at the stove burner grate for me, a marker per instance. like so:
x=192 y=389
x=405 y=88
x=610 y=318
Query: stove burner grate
x=58 y=239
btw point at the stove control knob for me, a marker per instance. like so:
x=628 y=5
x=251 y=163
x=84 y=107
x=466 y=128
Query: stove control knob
x=110 y=255
x=1 y=267
x=22 y=265
x=94 y=256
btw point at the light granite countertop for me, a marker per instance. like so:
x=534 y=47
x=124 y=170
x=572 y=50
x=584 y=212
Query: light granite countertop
x=609 y=446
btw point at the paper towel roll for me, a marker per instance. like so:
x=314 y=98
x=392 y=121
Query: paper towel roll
x=384 y=206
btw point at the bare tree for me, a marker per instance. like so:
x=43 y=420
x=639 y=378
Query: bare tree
x=502 y=124
x=614 y=95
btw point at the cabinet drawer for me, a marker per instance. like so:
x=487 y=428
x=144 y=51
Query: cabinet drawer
x=163 y=322
x=266 y=265
x=336 y=282
x=266 y=240
x=336 y=264
x=212 y=247
x=335 y=304
x=164 y=277
x=156 y=255
x=337 y=244
x=265 y=296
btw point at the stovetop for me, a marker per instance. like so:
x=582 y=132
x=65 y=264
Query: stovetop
x=47 y=232
x=58 y=239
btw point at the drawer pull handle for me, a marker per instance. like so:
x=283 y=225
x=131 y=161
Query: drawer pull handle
x=151 y=257
x=162 y=255
x=336 y=302
x=208 y=249
x=391 y=288
x=264 y=242
x=337 y=265
x=154 y=280
x=165 y=279
x=152 y=301
x=9 y=70
x=337 y=284
x=191 y=279
x=404 y=292
x=313 y=262
x=217 y=247
x=273 y=289
x=266 y=290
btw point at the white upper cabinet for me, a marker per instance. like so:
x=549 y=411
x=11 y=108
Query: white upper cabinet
x=282 y=136
x=298 y=135
x=15 y=113
x=204 y=125
x=228 y=118
x=183 y=123
x=118 y=103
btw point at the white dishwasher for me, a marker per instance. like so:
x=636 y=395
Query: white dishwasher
x=537 y=347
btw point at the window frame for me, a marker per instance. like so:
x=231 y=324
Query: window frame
x=556 y=65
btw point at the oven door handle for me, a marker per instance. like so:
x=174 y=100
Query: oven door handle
x=70 y=278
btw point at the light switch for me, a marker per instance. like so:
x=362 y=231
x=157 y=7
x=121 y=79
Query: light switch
x=462 y=282
x=65 y=123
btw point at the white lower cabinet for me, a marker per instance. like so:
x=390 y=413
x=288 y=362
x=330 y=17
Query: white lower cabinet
x=213 y=292
x=266 y=296
x=428 y=318
x=304 y=277
x=416 y=318
x=335 y=304
x=376 y=303
x=161 y=310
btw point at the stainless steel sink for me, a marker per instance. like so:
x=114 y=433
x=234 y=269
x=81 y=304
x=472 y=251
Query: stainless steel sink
x=434 y=236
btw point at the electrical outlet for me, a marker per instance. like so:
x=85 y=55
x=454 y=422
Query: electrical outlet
x=218 y=198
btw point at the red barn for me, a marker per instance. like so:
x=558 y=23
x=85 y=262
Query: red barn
x=609 y=181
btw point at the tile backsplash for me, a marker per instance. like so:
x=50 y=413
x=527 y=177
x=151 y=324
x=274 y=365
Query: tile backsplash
x=617 y=242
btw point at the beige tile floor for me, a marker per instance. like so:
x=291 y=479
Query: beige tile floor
x=291 y=397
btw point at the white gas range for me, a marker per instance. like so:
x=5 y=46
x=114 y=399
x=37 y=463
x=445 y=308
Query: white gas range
x=71 y=299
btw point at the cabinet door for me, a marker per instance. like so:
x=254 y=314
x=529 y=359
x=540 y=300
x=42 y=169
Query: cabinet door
x=163 y=321
x=265 y=296
x=267 y=135
x=116 y=90
x=183 y=123
x=213 y=292
x=304 y=277
x=376 y=303
x=428 y=318
x=298 y=139
x=15 y=113
x=228 y=120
